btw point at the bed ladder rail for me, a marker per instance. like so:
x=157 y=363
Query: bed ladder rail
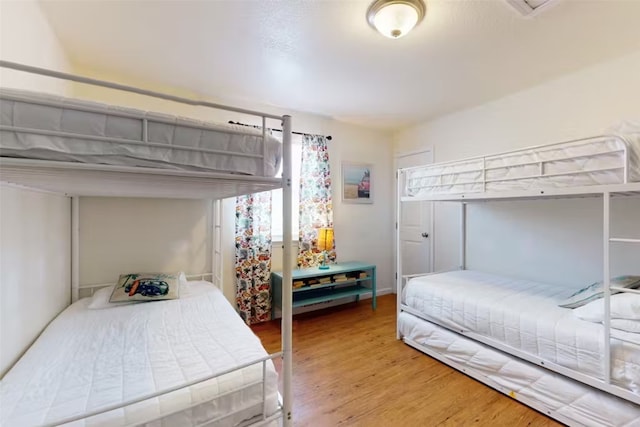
x=623 y=240
x=607 y=240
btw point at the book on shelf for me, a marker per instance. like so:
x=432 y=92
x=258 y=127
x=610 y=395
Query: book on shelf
x=297 y=284
x=324 y=280
x=340 y=278
x=363 y=275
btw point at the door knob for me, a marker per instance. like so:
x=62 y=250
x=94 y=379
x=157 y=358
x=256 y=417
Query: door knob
x=425 y=235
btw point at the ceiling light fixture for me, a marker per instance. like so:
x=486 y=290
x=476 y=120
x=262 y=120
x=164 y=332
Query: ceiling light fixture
x=395 y=18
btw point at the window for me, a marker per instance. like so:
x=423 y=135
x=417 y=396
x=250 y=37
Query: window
x=276 y=195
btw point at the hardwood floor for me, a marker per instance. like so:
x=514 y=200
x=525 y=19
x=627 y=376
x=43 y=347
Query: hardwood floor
x=349 y=370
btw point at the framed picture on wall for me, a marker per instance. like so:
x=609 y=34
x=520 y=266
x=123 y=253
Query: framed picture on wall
x=356 y=182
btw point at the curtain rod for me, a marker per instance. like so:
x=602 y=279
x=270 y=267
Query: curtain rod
x=278 y=130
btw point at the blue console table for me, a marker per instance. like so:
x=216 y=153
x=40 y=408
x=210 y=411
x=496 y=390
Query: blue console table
x=345 y=279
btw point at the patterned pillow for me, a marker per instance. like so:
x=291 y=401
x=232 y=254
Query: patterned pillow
x=595 y=291
x=146 y=287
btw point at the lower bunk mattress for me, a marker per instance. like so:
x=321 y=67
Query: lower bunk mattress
x=524 y=316
x=88 y=359
x=553 y=394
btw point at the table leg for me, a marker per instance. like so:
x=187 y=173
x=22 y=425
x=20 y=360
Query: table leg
x=373 y=288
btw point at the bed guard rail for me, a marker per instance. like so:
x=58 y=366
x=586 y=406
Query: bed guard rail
x=264 y=417
x=93 y=287
x=144 y=137
x=476 y=174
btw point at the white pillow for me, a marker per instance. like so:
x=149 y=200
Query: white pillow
x=626 y=325
x=595 y=291
x=623 y=306
x=100 y=299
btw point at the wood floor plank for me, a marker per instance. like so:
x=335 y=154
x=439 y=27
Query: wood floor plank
x=349 y=370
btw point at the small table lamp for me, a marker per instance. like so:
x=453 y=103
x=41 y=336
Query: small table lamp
x=325 y=243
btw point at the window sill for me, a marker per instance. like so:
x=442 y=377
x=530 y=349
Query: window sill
x=279 y=241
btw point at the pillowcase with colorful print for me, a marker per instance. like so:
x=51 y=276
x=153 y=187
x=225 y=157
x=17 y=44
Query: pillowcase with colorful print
x=146 y=287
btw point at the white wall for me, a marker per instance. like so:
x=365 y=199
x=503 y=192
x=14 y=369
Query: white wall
x=26 y=37
x=362 y=231
x=35 y=231
x=577 y=105
x=35 y=266
x=555 y=241
x=119 y=235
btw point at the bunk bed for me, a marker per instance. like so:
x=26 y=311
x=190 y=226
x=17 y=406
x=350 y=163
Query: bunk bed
x=209 y=369
x=511 y=334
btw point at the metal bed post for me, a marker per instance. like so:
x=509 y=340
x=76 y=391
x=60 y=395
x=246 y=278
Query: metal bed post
x=606 y=230
x=145 y=130
x=484 y=174
x=463 y=236
x=216 y=262
x=264 y=145
x=287 y=295
x=625 y=172
x=400 y=176
x=432 y=240
x=75 y=249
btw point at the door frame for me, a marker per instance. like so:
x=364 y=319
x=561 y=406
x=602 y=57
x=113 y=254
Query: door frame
x=396 y=157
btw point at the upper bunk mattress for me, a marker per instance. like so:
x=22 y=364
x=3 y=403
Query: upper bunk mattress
x=47 y=127
x=592 y=161
x=87 y=359
x=525 y=316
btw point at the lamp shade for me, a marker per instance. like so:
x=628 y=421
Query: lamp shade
x=325 y=239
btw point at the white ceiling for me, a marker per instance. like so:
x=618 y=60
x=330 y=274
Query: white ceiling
x=322 y=57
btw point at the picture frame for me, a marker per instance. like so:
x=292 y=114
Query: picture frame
x=357 y=181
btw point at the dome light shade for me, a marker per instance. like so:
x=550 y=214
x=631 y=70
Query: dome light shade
x=395 y=18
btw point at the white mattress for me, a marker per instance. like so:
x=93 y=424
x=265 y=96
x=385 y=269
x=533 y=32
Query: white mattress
x=570 y=399
x=524 y=315
x=88 y=359
x=120 y=129
x=594 y=161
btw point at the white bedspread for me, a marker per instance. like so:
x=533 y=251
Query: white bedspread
x=88 y=359
x=524 y=315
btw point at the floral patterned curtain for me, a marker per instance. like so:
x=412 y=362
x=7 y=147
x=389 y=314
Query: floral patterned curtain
x=253 y=256
x=316 y=208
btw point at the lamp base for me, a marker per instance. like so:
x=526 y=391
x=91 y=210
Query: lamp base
x=323 y=267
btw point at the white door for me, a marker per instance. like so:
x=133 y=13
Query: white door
x=415 y=223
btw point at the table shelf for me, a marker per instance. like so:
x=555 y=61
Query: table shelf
x=328 y=285
x=315 y=295
x=323 y=292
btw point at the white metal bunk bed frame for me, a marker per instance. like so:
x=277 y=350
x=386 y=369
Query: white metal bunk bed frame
x=542 y=170
x=28 y=173
x=605 y=191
